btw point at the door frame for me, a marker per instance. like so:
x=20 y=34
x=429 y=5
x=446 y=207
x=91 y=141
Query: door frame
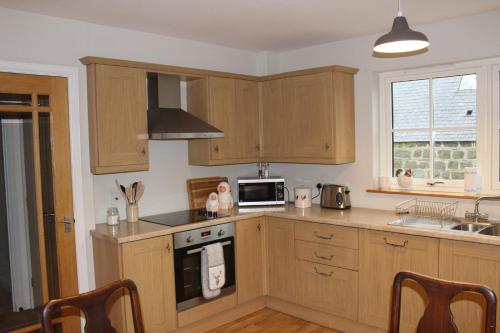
x=81 y=233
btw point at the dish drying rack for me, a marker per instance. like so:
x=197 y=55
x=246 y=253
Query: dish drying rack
x=433 y=212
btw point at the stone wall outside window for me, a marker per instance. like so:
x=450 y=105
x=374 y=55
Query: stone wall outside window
x=450 y=158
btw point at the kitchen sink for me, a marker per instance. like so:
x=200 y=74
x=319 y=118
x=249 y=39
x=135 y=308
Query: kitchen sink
x=471 y=227
x=490 y=229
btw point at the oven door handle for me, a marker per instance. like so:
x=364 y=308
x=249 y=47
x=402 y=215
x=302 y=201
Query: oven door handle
x=201 y=249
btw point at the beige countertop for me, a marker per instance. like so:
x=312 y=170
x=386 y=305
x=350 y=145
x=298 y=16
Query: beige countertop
x=363 y=218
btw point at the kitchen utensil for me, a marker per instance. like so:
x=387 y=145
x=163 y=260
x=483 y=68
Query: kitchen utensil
x=335 y=196
x=199 y=189
x=302 y=197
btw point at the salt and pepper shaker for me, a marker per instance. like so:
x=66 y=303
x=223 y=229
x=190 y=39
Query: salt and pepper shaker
x=263 y=170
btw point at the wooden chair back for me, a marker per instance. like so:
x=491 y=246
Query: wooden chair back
x=93 y=305
x=437 y=317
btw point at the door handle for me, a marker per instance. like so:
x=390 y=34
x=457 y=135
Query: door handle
x=216 y=148
x=323 y=237
x=322 y=257
x=322 y=273
x=68 y=223
x=402 y=244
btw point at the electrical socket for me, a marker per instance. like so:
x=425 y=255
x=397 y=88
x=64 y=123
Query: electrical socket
x=114 y=197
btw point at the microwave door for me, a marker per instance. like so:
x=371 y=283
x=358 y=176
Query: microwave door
x=256 y=193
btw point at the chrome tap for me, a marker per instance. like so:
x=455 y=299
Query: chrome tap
x=476 y=216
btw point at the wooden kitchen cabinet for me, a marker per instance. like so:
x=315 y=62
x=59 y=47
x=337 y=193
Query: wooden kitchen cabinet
x=231 y=105
x=149 y=263
x=309 y=118
x=281 y=258
x=328 y=289
x=472 y=263
x=118 y=130
x=382 y=255
x=250 y=261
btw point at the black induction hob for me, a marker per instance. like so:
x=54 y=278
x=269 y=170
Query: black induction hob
x=183 y=217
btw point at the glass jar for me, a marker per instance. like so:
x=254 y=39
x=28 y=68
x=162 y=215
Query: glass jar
x=113 y=217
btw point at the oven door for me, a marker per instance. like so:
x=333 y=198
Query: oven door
x=259 y=193
x=188 y=274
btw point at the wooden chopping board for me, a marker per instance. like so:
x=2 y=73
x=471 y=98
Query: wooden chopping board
x=199 y=189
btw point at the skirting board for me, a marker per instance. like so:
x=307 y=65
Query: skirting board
x=320 y=318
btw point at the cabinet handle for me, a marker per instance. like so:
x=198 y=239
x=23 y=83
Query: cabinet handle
x=143 y=151
x=402 y=244
x=168 y=248
x=321 y=273
x=259 y=227
x=327 y=146
x=323 y=237
x=322 y=257
x=257 y=147
x=216 y=148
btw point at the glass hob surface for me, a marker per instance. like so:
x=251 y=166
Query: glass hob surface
x=183 y=217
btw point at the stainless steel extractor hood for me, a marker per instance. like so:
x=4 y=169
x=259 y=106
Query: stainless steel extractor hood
x=166 y=119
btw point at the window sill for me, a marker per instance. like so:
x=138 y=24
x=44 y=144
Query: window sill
x=466 y=196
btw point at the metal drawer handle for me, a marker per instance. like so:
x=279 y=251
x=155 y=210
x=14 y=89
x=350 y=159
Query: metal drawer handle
x=403 y=244
x=323 y=237
x=327 y=146
x=324 y=258
x=216 y=148
x=321 y=273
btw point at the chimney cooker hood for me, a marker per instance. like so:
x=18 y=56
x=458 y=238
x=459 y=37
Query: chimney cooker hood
x=166 y=119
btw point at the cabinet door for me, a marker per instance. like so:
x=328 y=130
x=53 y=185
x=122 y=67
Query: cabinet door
x=327 y=289
x=222 y=94
x=247 y=120
x=382 y=256
x=473 y=263
x=118 y=120
x=308 y=103
x=250 y=259
x=281 y=258
x=149 y=263
x=275 y=125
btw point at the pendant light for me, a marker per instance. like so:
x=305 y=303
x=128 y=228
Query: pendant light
x=401 y=39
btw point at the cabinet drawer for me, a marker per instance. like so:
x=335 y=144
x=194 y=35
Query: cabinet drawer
x=326 y=254
x=327 y=234
x=327 y=289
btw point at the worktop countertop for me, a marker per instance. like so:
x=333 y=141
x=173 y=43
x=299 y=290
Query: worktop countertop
x=363 y=218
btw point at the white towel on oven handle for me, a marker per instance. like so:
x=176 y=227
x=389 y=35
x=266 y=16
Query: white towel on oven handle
x=213 y=271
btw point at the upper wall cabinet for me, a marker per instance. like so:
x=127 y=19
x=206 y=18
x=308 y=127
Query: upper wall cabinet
x=309 y=118
x=117 y=119
x=231 y=105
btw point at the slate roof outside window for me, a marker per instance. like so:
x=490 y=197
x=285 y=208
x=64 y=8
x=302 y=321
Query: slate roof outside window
x=454 y=104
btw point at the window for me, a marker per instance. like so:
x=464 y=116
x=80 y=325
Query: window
x=439 y=121
x=434 y=126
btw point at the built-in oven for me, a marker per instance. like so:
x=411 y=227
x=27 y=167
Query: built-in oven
x=188 y=246
x=254 y=191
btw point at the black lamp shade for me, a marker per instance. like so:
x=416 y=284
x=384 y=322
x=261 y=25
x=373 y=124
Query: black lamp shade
x=401 y=39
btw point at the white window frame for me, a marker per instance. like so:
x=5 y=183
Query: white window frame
x=495 y=128
x=487 y=127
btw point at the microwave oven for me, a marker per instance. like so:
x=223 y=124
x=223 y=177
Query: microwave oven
x=254 y=191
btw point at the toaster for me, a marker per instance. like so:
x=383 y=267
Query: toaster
x=335 y=196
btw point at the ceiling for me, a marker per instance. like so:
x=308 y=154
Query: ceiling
x=274 y=25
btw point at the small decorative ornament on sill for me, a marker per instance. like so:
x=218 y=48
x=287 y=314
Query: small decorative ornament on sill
x=131 y=194
x=404 y=177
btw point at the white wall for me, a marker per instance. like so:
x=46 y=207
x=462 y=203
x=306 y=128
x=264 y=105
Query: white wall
x=41 y=39
x=454 y=40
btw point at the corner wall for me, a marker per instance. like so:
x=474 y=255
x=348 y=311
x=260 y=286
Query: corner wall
x=453 y=40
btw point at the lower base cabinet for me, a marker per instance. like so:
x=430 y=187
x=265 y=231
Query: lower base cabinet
x=281 y=258
x=149 y=263
x=473 y=263
x=328 y=289
x=382 y=256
